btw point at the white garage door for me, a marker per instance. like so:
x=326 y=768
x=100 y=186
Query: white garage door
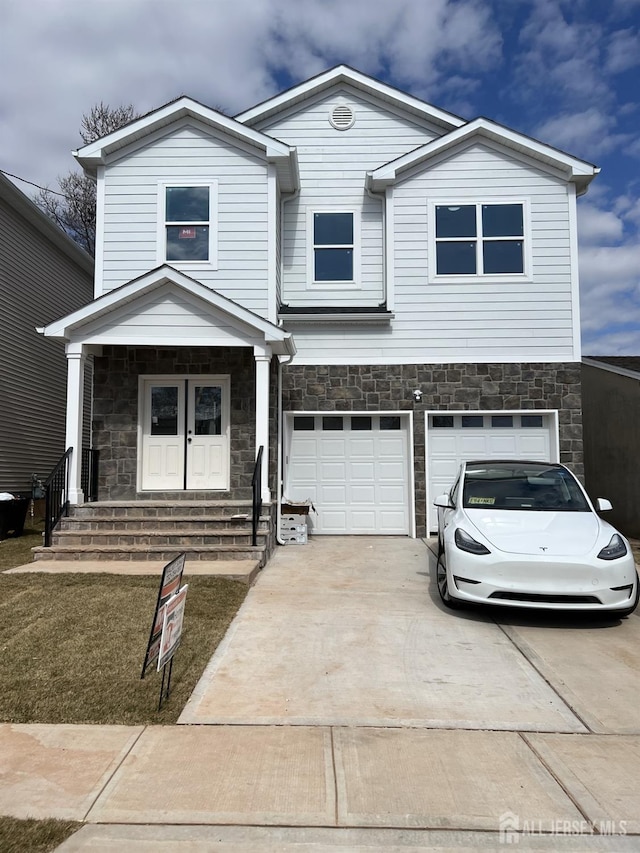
x=454 y=438
x=355 y=469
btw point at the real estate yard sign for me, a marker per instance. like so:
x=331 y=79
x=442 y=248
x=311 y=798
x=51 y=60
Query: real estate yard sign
x=172 y=626
x=169 y=586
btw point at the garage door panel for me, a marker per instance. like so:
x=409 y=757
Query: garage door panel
x=535 y=446
x=365 y=494
x=391 y=470
x=393 y=495
x=361 y=478
x=332 y=495
x=363 y=521
x=307 y=448
x=333 y=471
x=391 y=521
x=331 y=521
x=362 y=447
x=449 y=446
x=362 y=471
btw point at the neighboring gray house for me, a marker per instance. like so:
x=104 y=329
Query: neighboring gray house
x=611 y=424
x=43 y=274
x=366 y=285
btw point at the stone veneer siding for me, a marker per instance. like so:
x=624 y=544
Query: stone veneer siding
x=115 y=413
x=448 y=387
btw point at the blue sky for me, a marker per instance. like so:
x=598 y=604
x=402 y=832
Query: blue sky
x=564 y=71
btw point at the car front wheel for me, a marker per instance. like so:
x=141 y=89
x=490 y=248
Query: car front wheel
x=443 y=583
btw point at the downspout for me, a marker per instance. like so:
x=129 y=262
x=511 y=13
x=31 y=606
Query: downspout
x=279 y=540
x=289 y=197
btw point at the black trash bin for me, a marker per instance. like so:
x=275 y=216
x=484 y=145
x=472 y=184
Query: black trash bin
x=13 y=514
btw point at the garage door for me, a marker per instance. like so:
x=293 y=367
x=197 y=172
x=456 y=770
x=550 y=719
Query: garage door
x=355 y=469
x=452 y=439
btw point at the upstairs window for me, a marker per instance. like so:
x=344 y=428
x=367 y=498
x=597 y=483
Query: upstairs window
x=479 y=239
x=188 y=223
x=333 y=237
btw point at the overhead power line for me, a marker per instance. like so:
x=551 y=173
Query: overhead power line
x=37 y=186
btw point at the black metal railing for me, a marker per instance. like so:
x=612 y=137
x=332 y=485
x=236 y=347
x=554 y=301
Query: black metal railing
x=256 y=488
x=56 y=495
x=89 y=473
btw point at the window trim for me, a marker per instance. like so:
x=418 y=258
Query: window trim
x=355 y=283
x=212 y=262
x=479 y=239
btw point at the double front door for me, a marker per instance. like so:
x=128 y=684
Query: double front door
x=184 y=433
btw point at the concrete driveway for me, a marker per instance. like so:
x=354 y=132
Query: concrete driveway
x=347 y=710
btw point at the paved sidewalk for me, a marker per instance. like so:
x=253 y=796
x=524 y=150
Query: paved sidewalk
x=346 y=710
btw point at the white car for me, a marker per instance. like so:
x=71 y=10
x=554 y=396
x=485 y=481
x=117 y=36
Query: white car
x=525 y=534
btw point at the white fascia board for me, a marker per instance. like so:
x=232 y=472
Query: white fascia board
x=96 y=153
x=345 y=74
x=116 y=299
x=611 y=368
x=576 y=170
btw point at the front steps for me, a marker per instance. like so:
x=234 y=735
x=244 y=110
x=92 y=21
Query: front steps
x=160 y=530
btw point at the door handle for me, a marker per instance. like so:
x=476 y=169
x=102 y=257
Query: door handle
x=189 y=439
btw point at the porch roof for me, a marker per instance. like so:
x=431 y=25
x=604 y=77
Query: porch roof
x=164 y=307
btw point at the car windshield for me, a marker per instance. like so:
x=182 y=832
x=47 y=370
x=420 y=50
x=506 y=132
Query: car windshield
x=523 y=486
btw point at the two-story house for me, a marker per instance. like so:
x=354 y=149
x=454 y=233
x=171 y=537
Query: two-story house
x=365 y=285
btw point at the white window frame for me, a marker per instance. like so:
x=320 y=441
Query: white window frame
x=352 y=284
x=212 y=262
x=479 y=240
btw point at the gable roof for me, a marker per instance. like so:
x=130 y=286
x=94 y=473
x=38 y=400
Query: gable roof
x=140 y=291
x=578 y=171
x=108 y=147
x=347 y=75
x=625 y=365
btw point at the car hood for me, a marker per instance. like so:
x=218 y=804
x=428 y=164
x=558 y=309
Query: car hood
x=554 y=534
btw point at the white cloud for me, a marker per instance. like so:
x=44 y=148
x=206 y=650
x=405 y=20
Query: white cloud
x=623 y=51
x=589 y=133
x=599 y=227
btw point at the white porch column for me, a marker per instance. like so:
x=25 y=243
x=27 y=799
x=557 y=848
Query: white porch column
x=75 y=393
x=262 y=357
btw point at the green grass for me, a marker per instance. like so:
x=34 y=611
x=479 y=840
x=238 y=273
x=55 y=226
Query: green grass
x=16 y=550
x=72 y=646
x=34 y=836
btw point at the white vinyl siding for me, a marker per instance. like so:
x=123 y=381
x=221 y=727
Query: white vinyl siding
x=332 y=167
x=39 y=282
x=482 y=321
x=131 y=212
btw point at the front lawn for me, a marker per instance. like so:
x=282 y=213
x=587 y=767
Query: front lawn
x=34 y=836
x=72 y=646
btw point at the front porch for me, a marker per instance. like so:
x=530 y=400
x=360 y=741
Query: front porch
x=184 y=393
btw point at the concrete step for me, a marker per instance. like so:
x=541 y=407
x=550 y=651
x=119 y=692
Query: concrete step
x=150 y=552
x=176 y=538
x=168 y=523
x=165 y=509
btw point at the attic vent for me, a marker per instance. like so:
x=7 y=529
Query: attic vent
x=342 y=117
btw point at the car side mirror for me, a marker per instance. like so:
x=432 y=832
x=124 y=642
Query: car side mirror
x=603 y=505
x=444 y=501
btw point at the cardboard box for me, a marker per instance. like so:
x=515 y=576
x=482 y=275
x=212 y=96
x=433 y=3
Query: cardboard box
x=293 y=519
x=295 y=508
x=294 y=538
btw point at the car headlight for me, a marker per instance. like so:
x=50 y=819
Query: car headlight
x=468 y=543
x=616 y=548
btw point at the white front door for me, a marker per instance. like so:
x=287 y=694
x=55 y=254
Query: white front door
x=184 y=433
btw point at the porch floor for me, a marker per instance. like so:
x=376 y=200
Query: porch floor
x=240 y=570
